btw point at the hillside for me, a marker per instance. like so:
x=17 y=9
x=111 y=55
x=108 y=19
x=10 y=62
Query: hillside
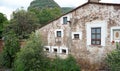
x=42 y=4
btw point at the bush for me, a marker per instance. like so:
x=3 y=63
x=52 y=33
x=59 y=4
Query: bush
x=10 y=49
x=31 y=57
x=113 y=59
x=68 y=64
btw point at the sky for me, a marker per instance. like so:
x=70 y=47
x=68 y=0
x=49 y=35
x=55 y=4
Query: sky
x=8 y=6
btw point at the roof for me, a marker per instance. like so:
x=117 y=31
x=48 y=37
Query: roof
x=99 y=3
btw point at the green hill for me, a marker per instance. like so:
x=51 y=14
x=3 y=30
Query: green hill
x=42 y=4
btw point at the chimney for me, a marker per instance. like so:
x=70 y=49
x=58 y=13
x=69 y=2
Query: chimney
x=94 y=1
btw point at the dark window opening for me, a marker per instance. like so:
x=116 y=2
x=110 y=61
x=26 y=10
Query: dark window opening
x=47 y=49
x=63 y=51
x=64 y=20
x=96 y=36
x=58 y=33
x=55 y=50
x=76 y=36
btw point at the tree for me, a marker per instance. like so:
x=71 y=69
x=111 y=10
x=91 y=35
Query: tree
x=3 y=21
x=45 y=10
x=47 y=15
x=113 y=59
x=23 y=23
x=10 y=49
x=31 y=57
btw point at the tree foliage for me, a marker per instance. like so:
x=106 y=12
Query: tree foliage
x=47 y=15
x=3 y=21
x=45 y=10
x=31 y=57
x=10 y=49
x=113 y=59
x=23 y=23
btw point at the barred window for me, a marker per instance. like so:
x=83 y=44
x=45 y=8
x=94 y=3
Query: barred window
x=96 y=36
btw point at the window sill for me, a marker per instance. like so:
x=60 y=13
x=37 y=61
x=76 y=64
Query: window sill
x=100 y=46
x=76 y=38
x=64 y=24
x=58 y=37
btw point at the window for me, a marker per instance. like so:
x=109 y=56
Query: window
x=58 y=33
x=76 y=36
x=96 y=36
x=64 y=20
x=55 y=50
x=116 y=34
x=47 y=49
x=63 y=51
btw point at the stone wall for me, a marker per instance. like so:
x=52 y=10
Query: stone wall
x=90 y=57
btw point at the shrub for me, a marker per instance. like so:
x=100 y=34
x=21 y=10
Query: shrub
x=10 y=49
x=68 y=64
x=31 y=57
x=113 y=59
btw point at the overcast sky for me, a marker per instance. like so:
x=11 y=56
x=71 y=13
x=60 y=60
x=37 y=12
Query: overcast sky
x=8 y=6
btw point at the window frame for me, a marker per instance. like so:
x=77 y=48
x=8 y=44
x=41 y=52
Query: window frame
x=55 y=50
x=78 y=36
x=65 y=20
x=64 y=51
x=96 y=33
x=114 y=30
x=57 y=33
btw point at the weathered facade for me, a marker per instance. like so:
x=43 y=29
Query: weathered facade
x=88 y=33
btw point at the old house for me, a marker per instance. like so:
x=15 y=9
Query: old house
x=88 y=33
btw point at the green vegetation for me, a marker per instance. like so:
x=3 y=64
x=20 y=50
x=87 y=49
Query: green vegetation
x=31 y=57
x=23 y=23
x=10 y=49
x=42 y=4
x=66 y=9
x=113 y=59
x=47 y=15
x=68 y=64
x=47 y=10
x=3 y=22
